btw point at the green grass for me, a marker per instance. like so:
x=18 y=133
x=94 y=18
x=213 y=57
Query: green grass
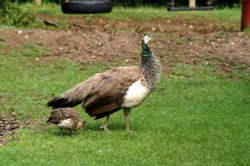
x=121 y=13
x=247 y=30
x=229 y=18
x=153 y=13
x=194 y=117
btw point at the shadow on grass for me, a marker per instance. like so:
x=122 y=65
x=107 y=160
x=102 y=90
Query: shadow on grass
x=113 y=126
x=51 y=129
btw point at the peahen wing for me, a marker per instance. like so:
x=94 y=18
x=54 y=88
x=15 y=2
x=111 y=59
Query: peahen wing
x=107 y=96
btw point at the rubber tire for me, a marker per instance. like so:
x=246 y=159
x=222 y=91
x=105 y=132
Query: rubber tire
x=86 y=7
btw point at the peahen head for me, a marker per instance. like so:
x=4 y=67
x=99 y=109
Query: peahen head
x=146 y=52
x=80 y=125
x=147 y=38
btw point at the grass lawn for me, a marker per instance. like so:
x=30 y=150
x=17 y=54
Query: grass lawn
x=194 y=117
x=145 y=12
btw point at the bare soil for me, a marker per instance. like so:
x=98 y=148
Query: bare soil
x=8 y=125
x=176 y=41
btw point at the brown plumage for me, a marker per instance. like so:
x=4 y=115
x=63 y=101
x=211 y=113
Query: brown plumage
x=121 y=87
x=66 y=118
x=102 y=92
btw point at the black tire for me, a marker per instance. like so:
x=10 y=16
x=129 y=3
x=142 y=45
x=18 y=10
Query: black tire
x=78 y=7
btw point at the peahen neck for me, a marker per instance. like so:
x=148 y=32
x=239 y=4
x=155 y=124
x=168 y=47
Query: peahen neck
x=151 y=66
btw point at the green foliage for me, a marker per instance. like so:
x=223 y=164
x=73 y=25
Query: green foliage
x=132 y=3
x=155 y=3
x=147 y=13
x=162 y=3
x=247 y=30
x=13 y=15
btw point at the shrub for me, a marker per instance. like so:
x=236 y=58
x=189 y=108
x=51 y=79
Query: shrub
x=13 y=15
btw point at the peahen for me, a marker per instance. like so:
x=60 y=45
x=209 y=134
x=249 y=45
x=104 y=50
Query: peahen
x=115 y=89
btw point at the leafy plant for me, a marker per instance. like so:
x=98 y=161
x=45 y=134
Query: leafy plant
x=13 y=15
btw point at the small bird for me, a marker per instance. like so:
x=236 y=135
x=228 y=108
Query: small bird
x=118 y=88
x=66 y=118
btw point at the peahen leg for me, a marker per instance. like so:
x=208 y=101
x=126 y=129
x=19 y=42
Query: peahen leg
x=126 y=116
x=61 y=130
x=70 y=132
x=105 y=126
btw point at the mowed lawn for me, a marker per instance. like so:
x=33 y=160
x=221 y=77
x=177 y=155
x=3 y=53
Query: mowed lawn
x=194 y=117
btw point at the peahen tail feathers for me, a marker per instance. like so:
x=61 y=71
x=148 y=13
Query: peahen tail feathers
x=60 y=102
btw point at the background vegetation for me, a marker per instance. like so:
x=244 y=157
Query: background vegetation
x=14 y=15
x=161 y=3
x=156 y=3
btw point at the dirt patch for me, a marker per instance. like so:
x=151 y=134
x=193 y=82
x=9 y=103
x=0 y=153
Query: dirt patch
x=8 y=125
x=185 y=41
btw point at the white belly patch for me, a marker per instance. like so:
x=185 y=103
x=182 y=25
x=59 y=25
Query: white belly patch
x=66 y=124
x=135 y=94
